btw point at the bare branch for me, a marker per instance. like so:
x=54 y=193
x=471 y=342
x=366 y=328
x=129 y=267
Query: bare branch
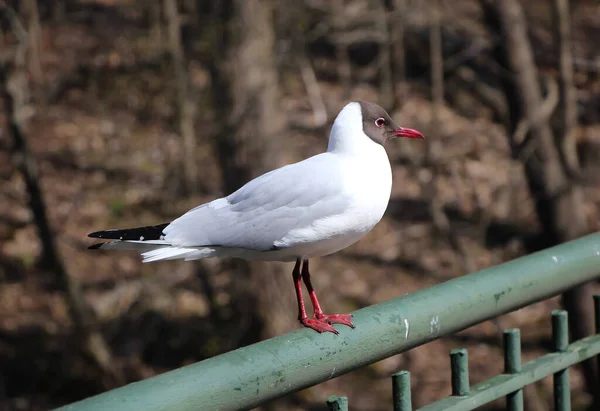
x=489 y=96
x=541 y=115
x=17 y=27
x=568 y=99
x=397 y=29
x=386 y=82
x=342 y=41
x=313 y=90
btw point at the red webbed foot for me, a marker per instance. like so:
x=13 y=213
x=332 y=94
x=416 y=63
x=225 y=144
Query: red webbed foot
x=320 y=326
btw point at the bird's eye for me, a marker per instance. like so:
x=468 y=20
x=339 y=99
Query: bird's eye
x=380 y=122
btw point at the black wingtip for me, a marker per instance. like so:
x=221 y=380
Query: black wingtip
x=98 y=234
x=152 y=232
x=95 y=246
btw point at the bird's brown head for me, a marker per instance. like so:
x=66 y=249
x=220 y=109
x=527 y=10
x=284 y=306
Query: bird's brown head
x=379 y=126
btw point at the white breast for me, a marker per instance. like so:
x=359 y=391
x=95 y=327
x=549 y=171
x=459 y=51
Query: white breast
x=368 y=179
x=367 y=184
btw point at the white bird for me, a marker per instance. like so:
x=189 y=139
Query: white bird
x=308 y=209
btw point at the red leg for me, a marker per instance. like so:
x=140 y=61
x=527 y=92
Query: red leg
x=344 y=319
x=317 y=325
x=298 y=285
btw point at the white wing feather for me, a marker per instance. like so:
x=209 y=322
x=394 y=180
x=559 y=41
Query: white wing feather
x=260 y=214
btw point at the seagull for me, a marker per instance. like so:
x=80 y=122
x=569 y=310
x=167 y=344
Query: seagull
x=308 y=209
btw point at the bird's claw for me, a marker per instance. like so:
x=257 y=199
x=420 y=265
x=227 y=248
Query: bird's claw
x=322 y=323
x=345 y=319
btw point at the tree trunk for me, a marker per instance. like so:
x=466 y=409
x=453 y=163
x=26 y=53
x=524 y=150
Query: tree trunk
x=185 y=108
x=436 y=59
x=344 y=68
x=565 y=138
x=567 y=105
x=386 y=79
x=559 y=202
x=156 y=35
x=33 y=52
x=397 y=25
x=14 y=94
x=246 y=100
x=59 y=10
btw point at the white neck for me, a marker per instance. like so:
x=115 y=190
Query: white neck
x=347 y=136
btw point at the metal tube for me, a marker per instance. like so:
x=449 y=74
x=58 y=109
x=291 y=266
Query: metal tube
x=512 y=365
x=597 y=319
x=401 y=391
x=597 y=312
x=459 y=367
x=560 y=337
x=335 y=403
x=252 y=375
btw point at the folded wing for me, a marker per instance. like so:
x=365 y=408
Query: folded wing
x=261 y=214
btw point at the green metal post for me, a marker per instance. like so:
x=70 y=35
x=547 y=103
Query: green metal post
x=252 y=375
x=335 y=403
x=459 y=366
x=597 y=319
x=512 y=365
x=560 y=336
x=401 y=391
x=535 y=370
x=597 y=312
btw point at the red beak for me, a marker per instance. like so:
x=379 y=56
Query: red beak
x=408 y=133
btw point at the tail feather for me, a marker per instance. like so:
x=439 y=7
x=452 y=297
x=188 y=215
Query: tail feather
x=156 y=250
x=149 y=241
x=130 y=245
x=167 y=253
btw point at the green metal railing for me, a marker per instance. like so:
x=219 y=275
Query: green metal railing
x=253 y=375
x=515 y=377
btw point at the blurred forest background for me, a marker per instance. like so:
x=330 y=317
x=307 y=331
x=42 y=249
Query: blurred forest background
x=121 y=113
